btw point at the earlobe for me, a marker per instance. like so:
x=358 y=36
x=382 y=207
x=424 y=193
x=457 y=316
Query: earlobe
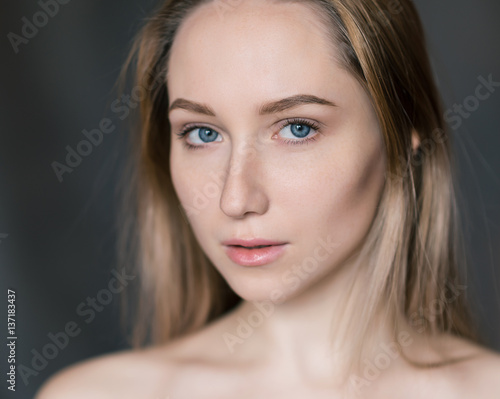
x=415 y=141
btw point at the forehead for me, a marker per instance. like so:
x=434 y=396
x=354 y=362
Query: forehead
x=261 y=47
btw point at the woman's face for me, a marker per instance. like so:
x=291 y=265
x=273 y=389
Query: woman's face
x=287 y=147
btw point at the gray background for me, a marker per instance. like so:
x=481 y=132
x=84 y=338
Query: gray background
x=60 y=244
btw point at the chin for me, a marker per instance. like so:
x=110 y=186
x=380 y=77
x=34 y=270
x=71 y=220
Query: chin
x=256 y=286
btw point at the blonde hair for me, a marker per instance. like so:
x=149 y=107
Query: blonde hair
x=413 y=249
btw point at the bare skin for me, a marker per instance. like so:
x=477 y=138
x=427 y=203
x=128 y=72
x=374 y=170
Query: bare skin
x=200 y=366
x=320 y=198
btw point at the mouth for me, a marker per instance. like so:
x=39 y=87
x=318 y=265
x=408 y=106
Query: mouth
x=255 y=255
x=257 y=246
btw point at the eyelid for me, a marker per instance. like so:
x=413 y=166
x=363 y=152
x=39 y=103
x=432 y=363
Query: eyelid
x=185 y=129
x=298 y=121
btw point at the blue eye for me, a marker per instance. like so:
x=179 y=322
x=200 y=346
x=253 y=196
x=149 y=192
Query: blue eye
x=204 y=135
x=298 y=130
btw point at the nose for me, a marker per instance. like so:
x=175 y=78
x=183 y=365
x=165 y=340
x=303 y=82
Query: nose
x=243 y=191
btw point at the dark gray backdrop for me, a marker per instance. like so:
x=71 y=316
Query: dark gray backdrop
x=57 y=238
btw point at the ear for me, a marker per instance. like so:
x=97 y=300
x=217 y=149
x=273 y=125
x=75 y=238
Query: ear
x=415 y=141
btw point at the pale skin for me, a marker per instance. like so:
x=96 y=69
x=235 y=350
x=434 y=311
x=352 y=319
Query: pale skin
x=324 y=191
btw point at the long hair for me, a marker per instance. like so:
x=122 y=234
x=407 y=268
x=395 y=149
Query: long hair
x=414 y=248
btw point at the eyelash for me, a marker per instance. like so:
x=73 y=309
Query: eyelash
x=292 y=121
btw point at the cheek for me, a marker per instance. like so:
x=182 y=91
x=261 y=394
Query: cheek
x=197 y=185
x=177 y=173
x=355 y=195
x=335 y=194
x=184 y=180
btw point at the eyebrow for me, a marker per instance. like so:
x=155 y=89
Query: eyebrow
x=268 y=108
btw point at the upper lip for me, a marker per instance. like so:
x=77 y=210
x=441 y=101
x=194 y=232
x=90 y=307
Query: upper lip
x=252 y=243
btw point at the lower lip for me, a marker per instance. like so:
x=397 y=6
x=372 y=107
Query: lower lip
x=255 y=256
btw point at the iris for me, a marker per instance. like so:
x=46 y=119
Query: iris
x=207 y=135
x=300 y=130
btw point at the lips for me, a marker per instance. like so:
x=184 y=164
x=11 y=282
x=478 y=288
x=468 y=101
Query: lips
x=254 y=252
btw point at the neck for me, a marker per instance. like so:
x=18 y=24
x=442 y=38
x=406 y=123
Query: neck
x=310 y=334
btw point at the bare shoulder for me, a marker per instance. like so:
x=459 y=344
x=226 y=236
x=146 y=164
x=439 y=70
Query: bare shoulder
x=476 y=376
x=481 y=374
x=155 y=372
x=124 y=374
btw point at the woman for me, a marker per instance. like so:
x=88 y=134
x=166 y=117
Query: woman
x=297 y=225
